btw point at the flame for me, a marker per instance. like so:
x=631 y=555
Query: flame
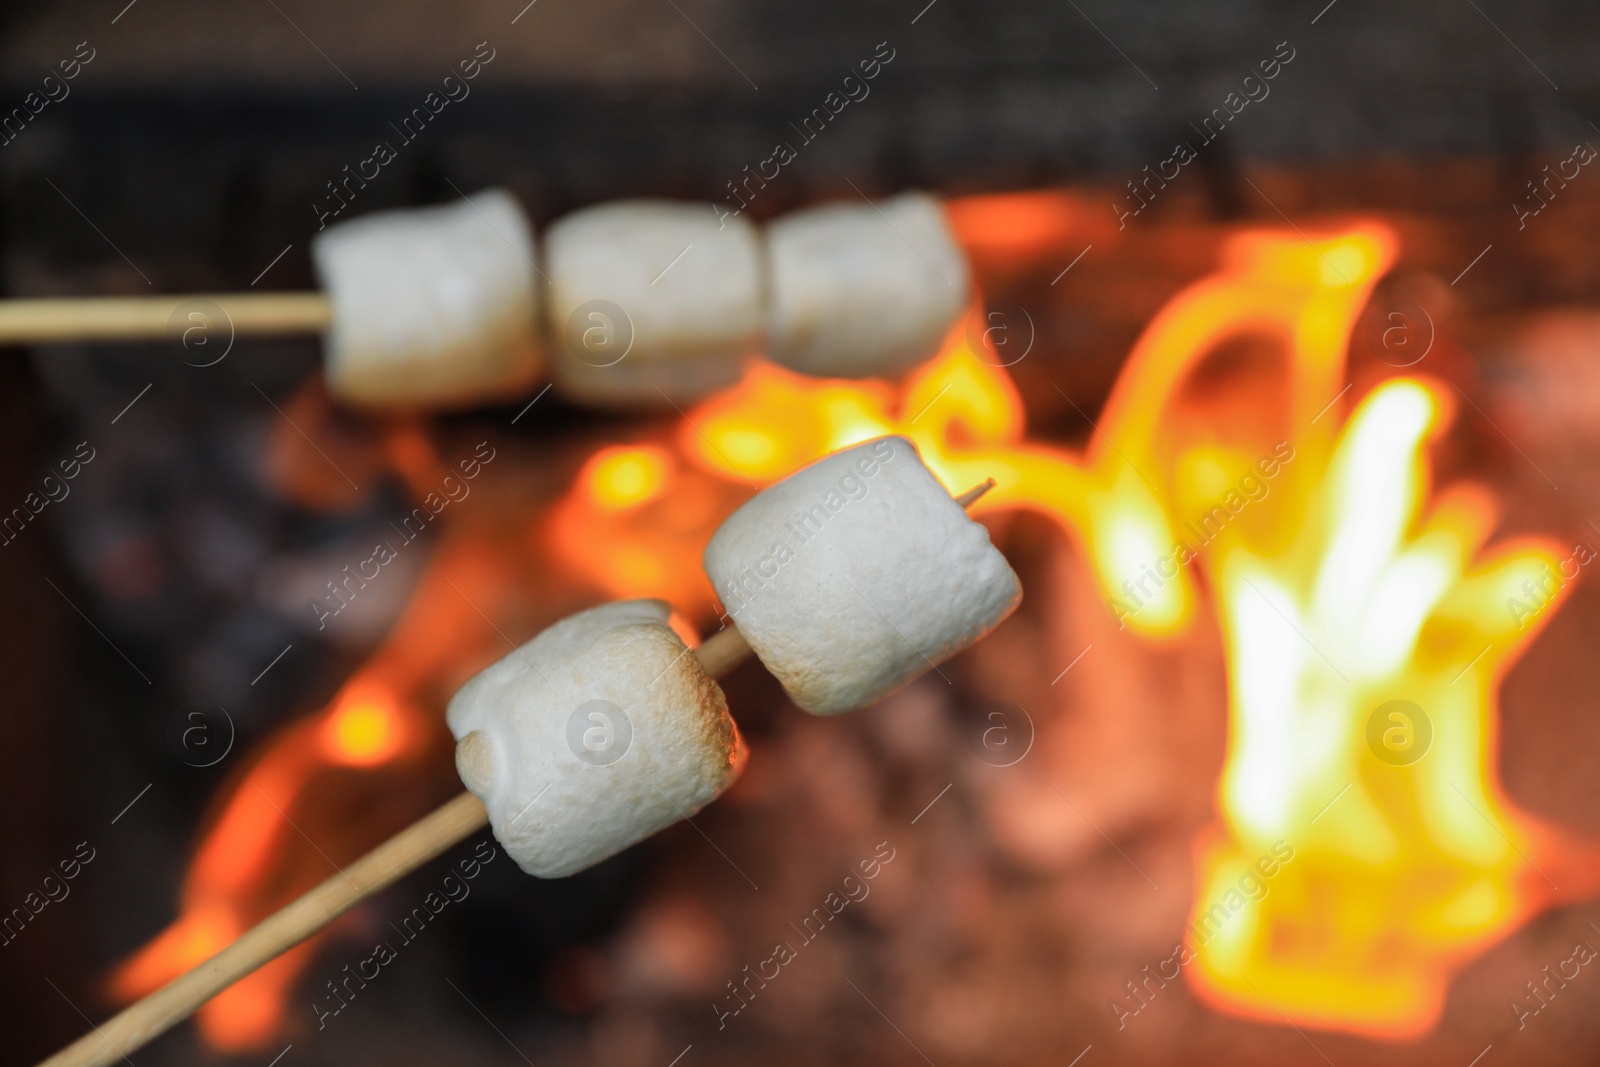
x=1341 y=593
x=1411 y=868
x=1346 y=584
x=362 y=731
x=966 y=418
x=622 y=477
x=1358 y=586
x=1009 y=231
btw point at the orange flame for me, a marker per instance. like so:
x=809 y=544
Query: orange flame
x=1336 y=597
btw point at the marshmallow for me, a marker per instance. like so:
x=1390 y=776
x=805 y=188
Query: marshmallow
x=856 y=574
x=649 y=298
x=860 y=290
x=433 y=306
x=593 y=736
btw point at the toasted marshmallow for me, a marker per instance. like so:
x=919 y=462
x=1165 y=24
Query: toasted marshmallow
x=859 y=290
x=854 y=575
x=432 y=307
x=652 y=301
x=593 y=736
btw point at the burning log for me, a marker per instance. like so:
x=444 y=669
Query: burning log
x=491 y=714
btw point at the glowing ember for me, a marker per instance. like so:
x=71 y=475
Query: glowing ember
x=363 y=731
x=622 y=477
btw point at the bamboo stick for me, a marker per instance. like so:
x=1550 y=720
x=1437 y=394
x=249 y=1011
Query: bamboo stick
x=135 y=318
x=153 y=1015
x=147 y=1018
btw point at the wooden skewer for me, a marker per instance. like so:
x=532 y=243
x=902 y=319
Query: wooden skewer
x=136 y=318
x=151 y=1016
x=147 y=1018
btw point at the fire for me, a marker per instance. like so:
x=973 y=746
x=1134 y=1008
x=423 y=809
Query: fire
x=1366 y=636
x=1367 y=631
x=1401 y=869
x=1344 y=584
x=622 y=478
x=362 y=732
x=965 y=417
x=1355 y=586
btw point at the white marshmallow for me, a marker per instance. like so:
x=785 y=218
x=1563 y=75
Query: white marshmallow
x=434 y=306
x=859 y=290
x=856 y=574
x=648 y=295
x=593 y=736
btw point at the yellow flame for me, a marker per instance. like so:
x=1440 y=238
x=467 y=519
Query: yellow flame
x=1407 y=857
x=1393 y=853
x=627 y=476
x=363 y=733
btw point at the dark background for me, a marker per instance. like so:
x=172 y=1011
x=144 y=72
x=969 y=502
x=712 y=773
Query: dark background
x=211 y=128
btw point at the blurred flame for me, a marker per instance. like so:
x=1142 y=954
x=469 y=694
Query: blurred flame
x=625 y=477
x=1347 y=591
x=963 y=413
x=1008 y=231
x=362 y=731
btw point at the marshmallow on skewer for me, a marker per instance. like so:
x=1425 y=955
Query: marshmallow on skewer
x=859 y=290
x=431 y=307
x=645 y=731
x=593 y=736
x=856 y=574
x=652 y=299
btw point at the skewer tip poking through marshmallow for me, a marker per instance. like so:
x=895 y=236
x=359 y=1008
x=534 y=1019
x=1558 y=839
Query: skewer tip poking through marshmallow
x=652 y=299
x=593 y=736
x=859 y=290
x=432 y=307
x=856 y=574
